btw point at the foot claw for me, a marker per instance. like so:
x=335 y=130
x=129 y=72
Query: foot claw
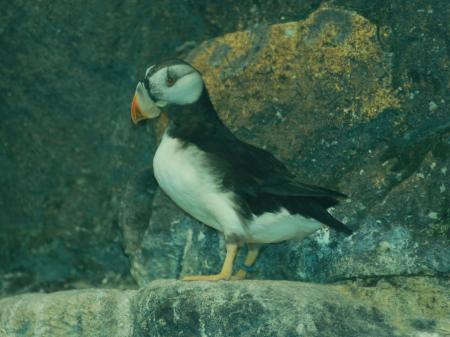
x=240 y=275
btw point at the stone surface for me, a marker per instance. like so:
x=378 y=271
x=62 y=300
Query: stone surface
x=319 y=94
x=406 y=307
x=91 y=312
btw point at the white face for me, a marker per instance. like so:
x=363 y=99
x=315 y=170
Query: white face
x=177 y=84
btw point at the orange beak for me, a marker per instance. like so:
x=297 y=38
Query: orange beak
x=142 y=106
x=136 y=112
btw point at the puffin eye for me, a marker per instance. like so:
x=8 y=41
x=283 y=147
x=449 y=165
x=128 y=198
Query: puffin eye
x=170 y=81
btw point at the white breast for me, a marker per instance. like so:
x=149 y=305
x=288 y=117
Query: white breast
x=183 y=172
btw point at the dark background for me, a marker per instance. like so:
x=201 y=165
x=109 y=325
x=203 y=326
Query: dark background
x=67 y=147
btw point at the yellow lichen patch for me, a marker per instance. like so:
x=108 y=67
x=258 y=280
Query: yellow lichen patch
x=378 y=182
x=417 y=298
x=333 y=51
x=298 y=77
x=351 y=60
x=234 y=45
x=382 y=98
x=219 y=62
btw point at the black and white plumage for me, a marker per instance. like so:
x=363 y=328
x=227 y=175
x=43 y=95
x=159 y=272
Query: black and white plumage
x=238 y=189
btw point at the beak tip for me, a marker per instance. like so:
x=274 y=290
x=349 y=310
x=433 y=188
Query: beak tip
x=150 y=111
x=135 y=111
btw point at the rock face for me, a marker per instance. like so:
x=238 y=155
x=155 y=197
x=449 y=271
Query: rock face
x=248 y=308
x=70 y=313
x=67 y=148
x=349 y=94
x=318 y=93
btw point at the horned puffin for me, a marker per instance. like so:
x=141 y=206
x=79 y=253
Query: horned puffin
x=236 y=188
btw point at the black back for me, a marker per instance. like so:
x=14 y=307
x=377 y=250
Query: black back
x=260 y=181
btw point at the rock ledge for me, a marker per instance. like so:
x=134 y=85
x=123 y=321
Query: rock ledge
x=398 y=307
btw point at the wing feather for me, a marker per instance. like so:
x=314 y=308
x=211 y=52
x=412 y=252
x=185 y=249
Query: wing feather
x=264 y=182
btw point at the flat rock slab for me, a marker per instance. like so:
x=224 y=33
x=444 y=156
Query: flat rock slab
x=419 y=307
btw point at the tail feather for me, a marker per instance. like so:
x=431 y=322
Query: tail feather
x=329 y=220
x=318 y=212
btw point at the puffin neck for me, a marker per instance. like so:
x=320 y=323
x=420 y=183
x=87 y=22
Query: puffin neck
x=194 y=121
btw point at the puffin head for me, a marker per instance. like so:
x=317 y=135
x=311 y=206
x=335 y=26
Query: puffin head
x=172 y=82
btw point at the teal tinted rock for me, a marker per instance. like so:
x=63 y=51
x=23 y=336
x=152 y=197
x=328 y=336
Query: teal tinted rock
x=401 y=307
x=93 y=312
x=67 y=146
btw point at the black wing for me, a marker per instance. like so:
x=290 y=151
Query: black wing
x=264 y=182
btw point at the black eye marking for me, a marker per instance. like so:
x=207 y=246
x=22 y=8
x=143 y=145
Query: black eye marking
x=146 y=83
x=170 y=78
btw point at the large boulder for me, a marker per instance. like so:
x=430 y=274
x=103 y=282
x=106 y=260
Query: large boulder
x=319 y=94
x=402 y=307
